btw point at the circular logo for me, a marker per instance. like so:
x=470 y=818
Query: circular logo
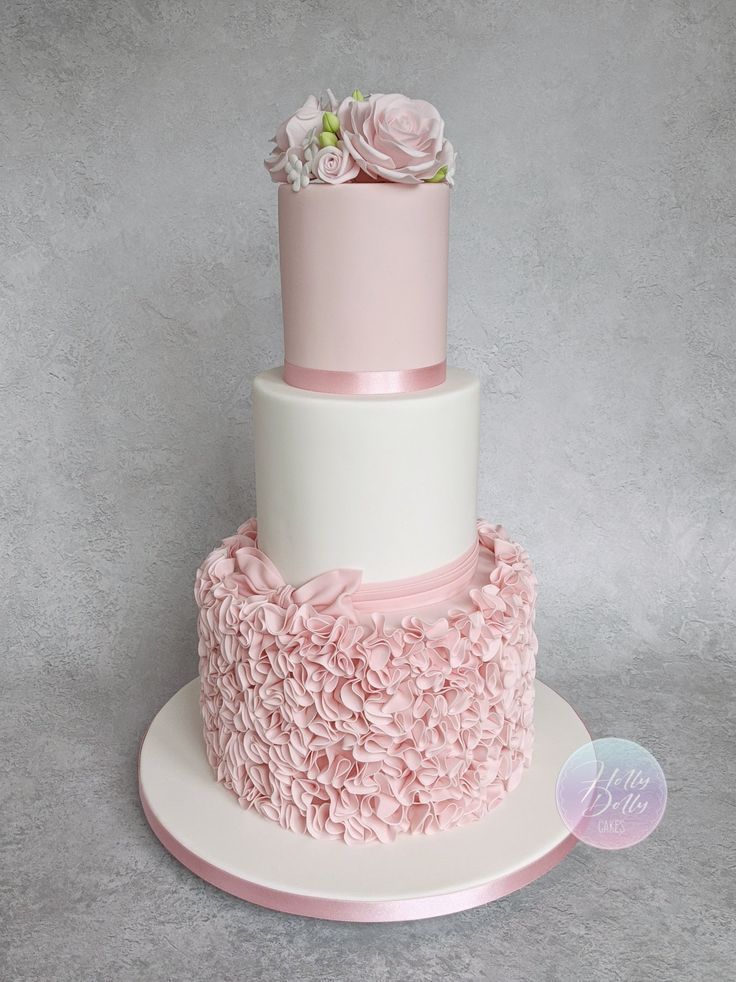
x=611 y=793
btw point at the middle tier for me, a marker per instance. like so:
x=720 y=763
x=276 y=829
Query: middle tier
x=383 y=484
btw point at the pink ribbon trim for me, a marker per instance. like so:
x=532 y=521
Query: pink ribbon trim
x=413 y=908
x=339 y=591
x=420 y=591
x=365 y=383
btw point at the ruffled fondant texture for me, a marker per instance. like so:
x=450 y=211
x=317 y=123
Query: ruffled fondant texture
x=346 y=727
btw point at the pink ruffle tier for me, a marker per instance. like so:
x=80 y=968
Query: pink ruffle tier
x=359 y=727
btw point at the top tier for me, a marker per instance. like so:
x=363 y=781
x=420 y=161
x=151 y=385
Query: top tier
x=364 y=286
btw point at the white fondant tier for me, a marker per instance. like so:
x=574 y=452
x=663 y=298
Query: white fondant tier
x=382 y=484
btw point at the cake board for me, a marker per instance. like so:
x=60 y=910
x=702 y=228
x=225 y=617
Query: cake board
x=202 y=825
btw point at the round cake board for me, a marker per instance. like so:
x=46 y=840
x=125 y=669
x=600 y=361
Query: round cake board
x=203 y=826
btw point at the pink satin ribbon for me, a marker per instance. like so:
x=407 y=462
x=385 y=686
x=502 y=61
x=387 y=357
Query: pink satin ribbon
x=339 y=592
x=365 y=383
x=419 y=591
x=413 y=908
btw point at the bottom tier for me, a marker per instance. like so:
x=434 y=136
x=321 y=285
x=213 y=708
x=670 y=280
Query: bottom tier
x=359 y=725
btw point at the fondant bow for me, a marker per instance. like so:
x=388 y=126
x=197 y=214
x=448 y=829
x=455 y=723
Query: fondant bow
x=329 y=593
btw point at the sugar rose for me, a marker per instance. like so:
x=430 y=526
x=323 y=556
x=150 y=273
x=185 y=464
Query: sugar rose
x=291 y=136
x=334 y=165
x=394 y=137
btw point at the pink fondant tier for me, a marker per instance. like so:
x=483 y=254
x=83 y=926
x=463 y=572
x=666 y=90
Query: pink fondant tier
x=350 y=725
x=364 y=286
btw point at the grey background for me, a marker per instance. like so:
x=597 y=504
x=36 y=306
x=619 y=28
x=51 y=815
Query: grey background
x=593 y=254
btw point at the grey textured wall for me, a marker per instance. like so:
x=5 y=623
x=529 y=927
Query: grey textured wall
x=593 y=260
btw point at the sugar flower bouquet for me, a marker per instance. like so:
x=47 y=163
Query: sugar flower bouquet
x=375 y=137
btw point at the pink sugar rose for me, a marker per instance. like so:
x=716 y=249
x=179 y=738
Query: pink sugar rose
x=334 y=165
x=395 y=138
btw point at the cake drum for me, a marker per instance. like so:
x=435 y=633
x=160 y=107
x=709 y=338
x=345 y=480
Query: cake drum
x=203 y=826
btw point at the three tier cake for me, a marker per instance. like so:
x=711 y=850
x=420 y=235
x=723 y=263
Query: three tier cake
x=366 y=647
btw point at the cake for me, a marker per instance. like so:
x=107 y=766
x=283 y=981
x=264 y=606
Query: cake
x=366 y=644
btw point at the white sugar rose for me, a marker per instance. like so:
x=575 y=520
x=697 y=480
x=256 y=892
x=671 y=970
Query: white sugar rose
x=394 y=137
x=446 y=160
x=294 y=131
x=275 y=164
x=334 y=165
x=292 y=138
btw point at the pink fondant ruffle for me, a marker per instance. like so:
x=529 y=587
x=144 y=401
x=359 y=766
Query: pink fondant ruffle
x=345 y=727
